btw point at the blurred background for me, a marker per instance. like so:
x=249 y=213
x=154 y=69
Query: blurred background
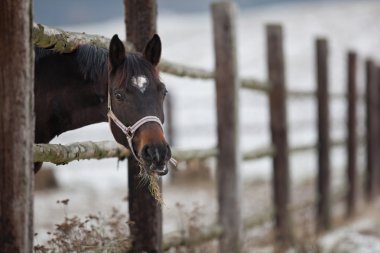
x=186 y=32
x=87 y=11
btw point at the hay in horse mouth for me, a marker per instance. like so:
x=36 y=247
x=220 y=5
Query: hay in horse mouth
x=159 y=171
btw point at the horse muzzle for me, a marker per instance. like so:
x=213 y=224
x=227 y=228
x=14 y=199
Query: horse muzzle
x=156 y=158
x=155 y=152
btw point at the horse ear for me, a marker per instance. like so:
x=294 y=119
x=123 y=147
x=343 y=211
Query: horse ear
x=152 y=51
x=116 y=52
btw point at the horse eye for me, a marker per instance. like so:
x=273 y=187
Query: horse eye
x=165 y=92
x=118 y=96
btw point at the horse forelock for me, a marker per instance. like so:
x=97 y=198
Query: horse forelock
x=135 y=65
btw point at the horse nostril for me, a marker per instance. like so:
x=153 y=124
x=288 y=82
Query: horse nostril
x=146 y=153
x=156 y=153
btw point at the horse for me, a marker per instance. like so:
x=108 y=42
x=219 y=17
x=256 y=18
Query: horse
x=94 y=84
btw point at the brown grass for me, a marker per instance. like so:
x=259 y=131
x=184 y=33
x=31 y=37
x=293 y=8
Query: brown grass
x=96 y=233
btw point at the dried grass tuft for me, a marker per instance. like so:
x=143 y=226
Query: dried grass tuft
x=154 y=189
x=152 y=180
x=96 y=233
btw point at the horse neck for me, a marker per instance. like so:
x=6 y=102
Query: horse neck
x=92 y=109
x=69 y=104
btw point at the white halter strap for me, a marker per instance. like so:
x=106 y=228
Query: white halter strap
x=131 y=130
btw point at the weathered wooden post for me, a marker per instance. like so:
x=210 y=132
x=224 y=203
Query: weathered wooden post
x=351 y=135
x=16 y=127
x=278 y=125
x=376 y=76
x=323 y=196
x=372 y=125
x=144 y=211
x=170 y=134
x=169 y=130
x=226 y=81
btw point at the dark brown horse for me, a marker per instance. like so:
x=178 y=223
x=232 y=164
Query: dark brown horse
x=94 y=85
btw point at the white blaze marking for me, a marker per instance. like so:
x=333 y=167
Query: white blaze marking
x=140 y=82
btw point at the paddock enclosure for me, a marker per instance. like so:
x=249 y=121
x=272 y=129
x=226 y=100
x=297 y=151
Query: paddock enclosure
x=353 y=108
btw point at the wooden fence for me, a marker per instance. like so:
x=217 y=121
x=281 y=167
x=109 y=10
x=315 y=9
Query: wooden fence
x=230 y=225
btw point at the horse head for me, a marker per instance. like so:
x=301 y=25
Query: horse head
x=135 y=104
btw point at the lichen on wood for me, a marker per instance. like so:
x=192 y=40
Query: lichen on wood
x=66 y=42
x=63 y=154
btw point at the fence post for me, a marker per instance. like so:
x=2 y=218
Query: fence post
x=16 y=127
x=278 y=125
x=144 y=211
x=170 y=134
x=376 y=80
x=372 y=125
x=351 y=134
x=323 y=197
x=226 y=80
x=169 y=130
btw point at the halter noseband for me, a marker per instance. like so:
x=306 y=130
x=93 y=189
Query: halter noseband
x=130 y=130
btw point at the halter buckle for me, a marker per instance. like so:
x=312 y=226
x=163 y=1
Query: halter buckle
x=129 y=132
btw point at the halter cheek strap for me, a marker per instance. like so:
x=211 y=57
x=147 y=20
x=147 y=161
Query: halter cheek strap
x=131 y=130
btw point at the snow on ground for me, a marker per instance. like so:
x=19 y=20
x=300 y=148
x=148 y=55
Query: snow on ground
x=94 y=186
x=361 y=236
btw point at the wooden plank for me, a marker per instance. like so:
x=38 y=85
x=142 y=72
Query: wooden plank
x=351 y=199
x=16 y=127
x=144 y=211
x=323 y=205
x=372 y=127
x=278 y=125
x=226 y=81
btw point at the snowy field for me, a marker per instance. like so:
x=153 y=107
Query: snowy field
x=94 y=186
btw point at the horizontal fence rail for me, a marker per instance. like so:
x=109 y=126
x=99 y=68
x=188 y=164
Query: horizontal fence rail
x=63 y=154
x=65 y=42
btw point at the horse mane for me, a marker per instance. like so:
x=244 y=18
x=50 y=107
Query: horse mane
x=91 y=60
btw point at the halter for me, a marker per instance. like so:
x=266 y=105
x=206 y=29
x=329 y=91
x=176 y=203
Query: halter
x=129 y=131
